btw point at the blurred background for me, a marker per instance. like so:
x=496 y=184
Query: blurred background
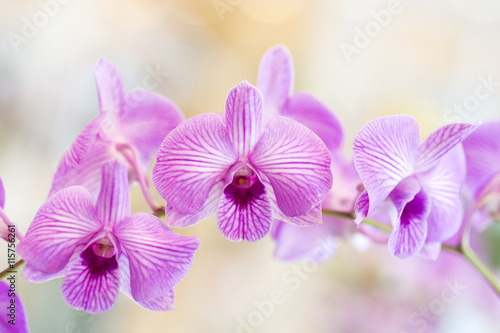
x=363 y=59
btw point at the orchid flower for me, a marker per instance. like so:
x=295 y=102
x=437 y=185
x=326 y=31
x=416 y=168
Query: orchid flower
x=422 y=180
x=13 y=320
x=101 y=249
x=242 y=172
x=482 y=153
x=5 y=222
x=276 y=81
x=129 y=128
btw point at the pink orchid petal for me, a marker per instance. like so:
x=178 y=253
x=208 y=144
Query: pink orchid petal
x=162 y=303
x=113 y=203
x=209 y=208
x=86 y=288
x=297 y=164
x=311 y=113
x=109 y=86
x=442 y=184
x=20 y=318
x=441 y=141
x=404 y=192
x=244 y=214
x=32 y=274
x=430 y=251
x=147 y=121
x=244 y=117
x=482 y=151
x=361 y=207
x=70 y=170
x=65 y=220
x=408 y=236
x=275 y=80
x=385 y=152
x=159 y=258
x=2 y=194
x=191 y=159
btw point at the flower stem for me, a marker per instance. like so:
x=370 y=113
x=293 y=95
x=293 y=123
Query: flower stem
x=9 y=270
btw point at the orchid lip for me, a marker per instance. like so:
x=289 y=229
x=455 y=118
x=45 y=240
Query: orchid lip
x=104 y=248
x=244 y=177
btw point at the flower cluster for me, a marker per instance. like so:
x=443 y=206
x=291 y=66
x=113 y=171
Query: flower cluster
x=271 y=163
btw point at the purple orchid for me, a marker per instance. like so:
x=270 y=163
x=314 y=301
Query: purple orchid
x=12 y=320
x=482 y=153
x=129 y=128
x=101 y=249
x=422 y=180
x=5 y=222
x=242 y=172
x=276 y=81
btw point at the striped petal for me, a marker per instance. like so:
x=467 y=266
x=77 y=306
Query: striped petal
x=191 y=159
x=311 y=113
x=385 y=151
x=91 y=283
x=442 y=184
x=109 y=87
x=113 y=203
x=408 y=236
x=162 y=303
x=244 y=214
x=147 y=120
x=297 y=164
x=159 y=258
x=244 y=117
x=275 y=80
x=32 y=274
x=441 y=141
x=66 y=220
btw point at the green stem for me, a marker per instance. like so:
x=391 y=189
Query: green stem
x=9 y=270
x=468 y=253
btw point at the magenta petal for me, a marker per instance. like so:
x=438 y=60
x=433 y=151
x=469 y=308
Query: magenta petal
x=385 y=151
x=442 y=184
x=311 y=113
x=147 y=120
x=2 y=194
x=162 y=303
x=361 y=207
x=113 y=203
x=159 y=258
x=34 y=275
x=64 y=221
x=244 y=214
x=91 y=283
x=482 y=151
x=441 y=141
x=209 y=208
x=78 y=164
x=408 y=237
x=317 y=243
x=109 y=86
x=244 y=117
x=191 y=159
x=275 y=81
x=297 y=164
x=404 y=192
x=19 y=320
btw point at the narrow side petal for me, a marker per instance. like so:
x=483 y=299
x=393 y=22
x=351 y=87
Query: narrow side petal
x=244 y=117
x=408 y=236
x=209 y=208
x=244 y=215
x=20 y=319
x=159 y=258
x=276 y=79
x=441 y=141
x=88 y=290
x=113 y=203
x=385 y=152
x=162 y=303
x=147 y=120
x=297 y=164
x=109 y=86
x=2 y=194
x=311 y=113
x=191 y=159
x=361 y=207
x=64 y=221
x=442 y=184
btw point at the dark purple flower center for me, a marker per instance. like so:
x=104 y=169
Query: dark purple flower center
x=100 y=257
x=245 y=187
